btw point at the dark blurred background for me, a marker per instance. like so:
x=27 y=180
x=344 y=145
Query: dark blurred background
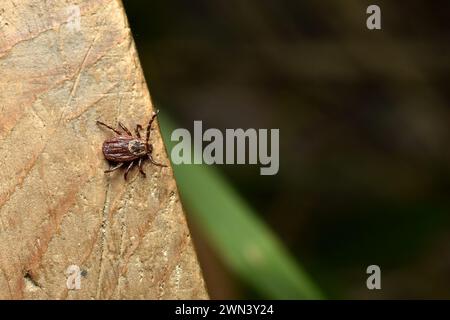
x=364 y=128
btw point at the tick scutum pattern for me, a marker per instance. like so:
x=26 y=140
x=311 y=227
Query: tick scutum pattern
x=117 y=150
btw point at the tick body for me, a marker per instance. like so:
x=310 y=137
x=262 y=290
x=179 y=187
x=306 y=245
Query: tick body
x=123 y=149
x=129 y=150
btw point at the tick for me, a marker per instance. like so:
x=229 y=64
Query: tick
x=127 y=149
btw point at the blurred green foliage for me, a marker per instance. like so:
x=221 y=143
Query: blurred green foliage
x=363 y=117
x=245 y=243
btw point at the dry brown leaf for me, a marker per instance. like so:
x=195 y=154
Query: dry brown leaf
x=57 y=207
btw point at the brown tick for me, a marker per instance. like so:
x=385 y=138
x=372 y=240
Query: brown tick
x=124 y=148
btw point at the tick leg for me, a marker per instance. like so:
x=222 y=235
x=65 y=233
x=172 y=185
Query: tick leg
x=128 y=169
x=104 y=124
x=114 y=168
x=155 y=163
x=149 y=126
x=140 y=168
x=137 y=130
x=125 y=128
